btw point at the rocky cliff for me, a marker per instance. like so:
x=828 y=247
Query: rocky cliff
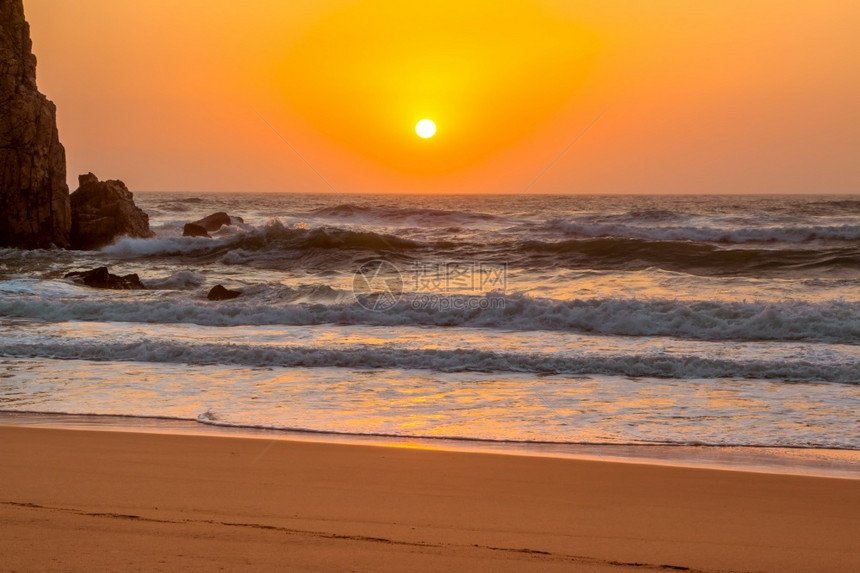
x=34 y=197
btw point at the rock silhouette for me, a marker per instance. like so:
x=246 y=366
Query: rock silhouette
x=218 y=292
x=101 y=278
x=194 y=230
x=103 y=211
x=215 y=221
x=34 y=197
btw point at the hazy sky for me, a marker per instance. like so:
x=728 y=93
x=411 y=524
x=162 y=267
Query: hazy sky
x=699 y=97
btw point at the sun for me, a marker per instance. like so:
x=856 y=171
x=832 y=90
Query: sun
x=425 y=128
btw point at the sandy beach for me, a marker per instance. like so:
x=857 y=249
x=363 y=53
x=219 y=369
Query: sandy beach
x=100 y=500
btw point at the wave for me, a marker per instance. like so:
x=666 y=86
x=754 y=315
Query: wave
x=791 y=234
x=277 y=244
x=133 y=248
x=216 y=418
x=461 y=360
x=683 y=256
x=397 y=214
x=274 y=236
x=43 y=288
x=178 y=205
x=835 y=206
x=183 y=280
x=832 y=322
x=653 y=215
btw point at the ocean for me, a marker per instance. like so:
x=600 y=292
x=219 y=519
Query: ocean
x=528 y=320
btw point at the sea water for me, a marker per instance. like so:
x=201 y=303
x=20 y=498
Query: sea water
x=672 y=320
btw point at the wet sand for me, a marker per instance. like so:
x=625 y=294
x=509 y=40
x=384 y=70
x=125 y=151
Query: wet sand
x=89 y=500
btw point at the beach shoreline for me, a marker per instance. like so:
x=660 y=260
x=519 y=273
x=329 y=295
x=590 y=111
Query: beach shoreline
x=83 y=499
x=813 y=462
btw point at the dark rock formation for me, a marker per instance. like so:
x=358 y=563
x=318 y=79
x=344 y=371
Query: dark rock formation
x=101 y=278
x=103 y=211
x=220 y=293
x=194 y=230
x=217 y=220
x=34 y=197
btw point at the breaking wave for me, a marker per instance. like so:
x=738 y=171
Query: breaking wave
x=833 y=322
x=331 y=247
x=183 y=280
x=274 y=236
x=461 y=360
x=690 y=257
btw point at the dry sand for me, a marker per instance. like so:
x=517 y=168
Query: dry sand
x=99 y=500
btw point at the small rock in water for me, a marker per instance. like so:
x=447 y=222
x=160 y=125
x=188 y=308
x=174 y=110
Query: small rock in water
x=101 y=278
x=103 y=211
x=218 y=292
x=194 y=230
x=217 y=220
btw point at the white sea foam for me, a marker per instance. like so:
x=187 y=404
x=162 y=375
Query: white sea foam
x=129 y=247
x=183 y=280
x=705 y=320
x=394 y=357
x=43 y=288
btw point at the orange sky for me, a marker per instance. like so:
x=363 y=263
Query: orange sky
x=699 y=97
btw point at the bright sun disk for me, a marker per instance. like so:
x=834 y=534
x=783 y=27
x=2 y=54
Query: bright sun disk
x=425 y=128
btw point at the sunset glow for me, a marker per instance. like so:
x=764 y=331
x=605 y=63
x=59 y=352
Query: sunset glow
x=717 y=97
